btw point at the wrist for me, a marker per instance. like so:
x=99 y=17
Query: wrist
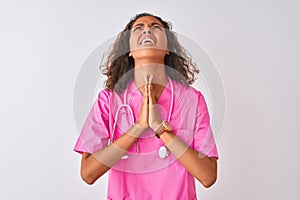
x=156 y=125
x=136 y=130
x=177 y=147
x=167 y=137
x=163 y=127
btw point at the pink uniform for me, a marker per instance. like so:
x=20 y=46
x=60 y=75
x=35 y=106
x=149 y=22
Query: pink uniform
x=147 y=176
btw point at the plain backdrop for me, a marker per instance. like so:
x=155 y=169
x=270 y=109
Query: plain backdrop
x=254 y=44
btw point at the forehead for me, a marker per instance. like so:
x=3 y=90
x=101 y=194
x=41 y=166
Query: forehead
x=147 y=20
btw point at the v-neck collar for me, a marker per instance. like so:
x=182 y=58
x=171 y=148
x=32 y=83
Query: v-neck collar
x=136 y=95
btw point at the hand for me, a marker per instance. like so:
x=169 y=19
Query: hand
x=144 y=111
x=154 y=119
x=149 y=116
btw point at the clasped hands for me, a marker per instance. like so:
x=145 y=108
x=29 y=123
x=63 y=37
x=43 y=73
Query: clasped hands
x=149 y=116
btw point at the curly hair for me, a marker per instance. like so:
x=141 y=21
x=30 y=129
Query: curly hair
x=119 y=65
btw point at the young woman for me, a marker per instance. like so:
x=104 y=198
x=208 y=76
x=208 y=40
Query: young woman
x=148 y=127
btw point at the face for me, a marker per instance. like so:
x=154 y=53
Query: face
x=147 y=37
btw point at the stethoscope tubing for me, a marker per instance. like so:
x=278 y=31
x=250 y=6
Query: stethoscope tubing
x=125 y=105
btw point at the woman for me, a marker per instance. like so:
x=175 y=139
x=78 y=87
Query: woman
x=158 y=127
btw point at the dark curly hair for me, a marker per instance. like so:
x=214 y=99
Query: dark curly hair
x=119 y=65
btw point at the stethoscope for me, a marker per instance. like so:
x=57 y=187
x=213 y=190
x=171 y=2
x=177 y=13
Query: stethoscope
x=163 y=151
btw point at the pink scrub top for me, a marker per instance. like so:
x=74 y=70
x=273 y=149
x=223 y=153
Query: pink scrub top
x=147 y=176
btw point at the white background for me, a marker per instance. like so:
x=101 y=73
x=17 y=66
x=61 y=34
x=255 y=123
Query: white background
x=254 y=44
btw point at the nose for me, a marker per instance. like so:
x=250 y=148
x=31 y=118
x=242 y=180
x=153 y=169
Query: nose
x=146 y=30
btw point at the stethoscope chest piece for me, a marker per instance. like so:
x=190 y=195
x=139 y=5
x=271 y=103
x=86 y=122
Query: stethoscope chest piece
x=163 y=152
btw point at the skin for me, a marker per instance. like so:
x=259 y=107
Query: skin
x=149 y=59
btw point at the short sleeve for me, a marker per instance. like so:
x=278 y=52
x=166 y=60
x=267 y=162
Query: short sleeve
x=204 y=141
x=95 y=131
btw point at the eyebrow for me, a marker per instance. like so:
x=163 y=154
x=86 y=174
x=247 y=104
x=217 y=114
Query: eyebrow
x=152 y=24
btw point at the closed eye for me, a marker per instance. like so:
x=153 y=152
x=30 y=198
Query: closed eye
x=137 y=28
x=156 y=27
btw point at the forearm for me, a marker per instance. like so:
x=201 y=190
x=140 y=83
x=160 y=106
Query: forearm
x=204 y=169
x=95 y=165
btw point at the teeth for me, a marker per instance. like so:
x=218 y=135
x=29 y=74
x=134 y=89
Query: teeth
x=147 y=40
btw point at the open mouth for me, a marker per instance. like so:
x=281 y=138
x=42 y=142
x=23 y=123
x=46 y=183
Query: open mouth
x=147 y=41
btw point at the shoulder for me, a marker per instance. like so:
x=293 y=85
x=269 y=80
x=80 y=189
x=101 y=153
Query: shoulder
x=104 y=95
x=186 y=91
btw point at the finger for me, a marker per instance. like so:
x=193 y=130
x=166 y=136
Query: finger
x=145 y=95
x=151 y=94
x=146 y=78
x=150 y=89
x=143 y=116
x=150 y=79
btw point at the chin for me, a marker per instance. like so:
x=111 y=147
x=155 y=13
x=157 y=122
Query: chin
x=149 y=52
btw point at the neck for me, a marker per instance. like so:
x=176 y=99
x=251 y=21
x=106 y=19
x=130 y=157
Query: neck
x=148 y=60
x=159 y=76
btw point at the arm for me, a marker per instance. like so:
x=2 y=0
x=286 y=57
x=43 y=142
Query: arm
x=203 y=168
x=93 y=166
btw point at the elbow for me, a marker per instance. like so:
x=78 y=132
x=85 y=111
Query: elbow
x=208 y=181
x=210 y=176
x=88 y=181
x=87 y=178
